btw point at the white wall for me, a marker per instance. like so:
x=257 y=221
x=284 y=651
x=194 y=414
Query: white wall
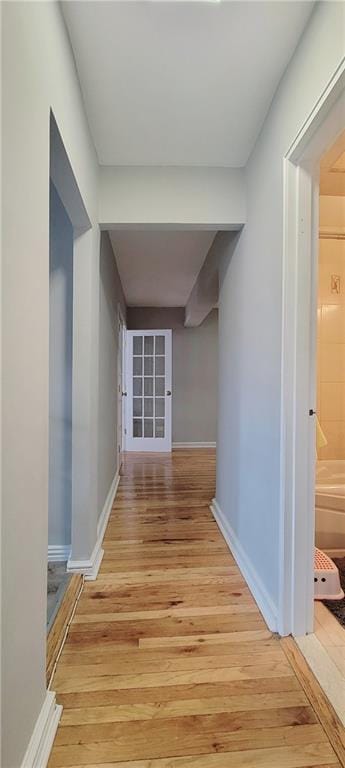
x=213 y=198
x=38 y=74
x=60 y=372
x=205 y=292
x=111 y=297
x=250 y=315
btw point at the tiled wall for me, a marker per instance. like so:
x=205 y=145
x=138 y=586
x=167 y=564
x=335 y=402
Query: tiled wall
x=331 y=347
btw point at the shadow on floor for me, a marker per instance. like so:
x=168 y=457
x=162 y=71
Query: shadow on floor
x=58 y=580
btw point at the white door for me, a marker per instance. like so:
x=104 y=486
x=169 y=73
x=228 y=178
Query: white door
x=120 y=389
x=148 y=379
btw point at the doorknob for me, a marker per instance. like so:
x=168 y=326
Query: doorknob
x=124 y=394
x=168 y=393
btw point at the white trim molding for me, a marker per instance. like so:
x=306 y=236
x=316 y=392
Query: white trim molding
x=58 y=553
x=41 y=742
x=332 y=233
x=90 y=567
x=108 y=505
x=188 y=446
x=259 y=592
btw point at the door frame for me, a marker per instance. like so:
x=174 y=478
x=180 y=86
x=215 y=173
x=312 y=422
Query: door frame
x=298 y=368
x=151 y=444
x=121 y=385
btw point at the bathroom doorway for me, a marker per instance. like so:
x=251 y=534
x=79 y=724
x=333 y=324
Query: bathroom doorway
x=312 y=382
x=329 y=606
x=302 y=162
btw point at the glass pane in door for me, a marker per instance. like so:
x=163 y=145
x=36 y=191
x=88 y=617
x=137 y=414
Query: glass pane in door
x=137 y=406
x=160 y=345
x=160 y=407
x=148 y=345
x=159 y=428
x=148 y=427
x=137 y=345
x=137 y=386
x=148 y=366
x=160 y=366
x=137 y=381
x=159 y=383
x=148 y=386
x=137 y=428
x=137 y=366
x=148 y=406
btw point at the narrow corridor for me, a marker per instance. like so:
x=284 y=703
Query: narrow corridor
x=168 y=662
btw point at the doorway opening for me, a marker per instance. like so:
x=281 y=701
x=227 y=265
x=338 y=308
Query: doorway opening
x=300 y=395
x=68 y=220
x=60 y=401
x=326 y=645
x=169 y=382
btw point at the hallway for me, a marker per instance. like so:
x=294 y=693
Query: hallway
x=168 y=661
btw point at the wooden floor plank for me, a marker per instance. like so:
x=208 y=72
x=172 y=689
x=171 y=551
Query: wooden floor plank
x=139 y=663
x=58 y=629
x=179 y=708
x=326 y=714
x=168 y=662
x=281 y=757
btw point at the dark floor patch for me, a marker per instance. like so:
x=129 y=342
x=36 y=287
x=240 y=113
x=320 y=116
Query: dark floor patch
x=337 y=607
x=58 y=579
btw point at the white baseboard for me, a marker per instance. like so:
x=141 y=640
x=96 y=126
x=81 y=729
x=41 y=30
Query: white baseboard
x=90 y=567
x=187 y=446
x=105 y=514
x=41 y=742
x=261 y=597
x=58 y=552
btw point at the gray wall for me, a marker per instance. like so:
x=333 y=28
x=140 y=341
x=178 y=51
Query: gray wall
x=194 y=370
x=111 y=295
x=250 y=314
x=60 y=372
x=195 y=382
x=150 y=318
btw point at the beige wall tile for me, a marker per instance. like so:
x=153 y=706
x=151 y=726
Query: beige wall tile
x=335 y=434
x=333 y=323
x=331 y=348
x=332 y=363
x=332 y=402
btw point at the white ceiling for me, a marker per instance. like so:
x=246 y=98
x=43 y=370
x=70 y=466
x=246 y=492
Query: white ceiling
x=159 y=269
x=180 y=83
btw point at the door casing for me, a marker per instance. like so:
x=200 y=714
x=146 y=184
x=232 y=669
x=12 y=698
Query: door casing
x=121 y=403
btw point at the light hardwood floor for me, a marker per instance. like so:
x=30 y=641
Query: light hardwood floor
x=168 y=662
x=324 y=651
x=332 y=637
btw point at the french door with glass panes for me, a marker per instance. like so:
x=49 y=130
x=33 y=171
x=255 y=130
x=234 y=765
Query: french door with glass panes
x=148 y=385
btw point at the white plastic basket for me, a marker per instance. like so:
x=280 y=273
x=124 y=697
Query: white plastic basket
x=326 y=578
